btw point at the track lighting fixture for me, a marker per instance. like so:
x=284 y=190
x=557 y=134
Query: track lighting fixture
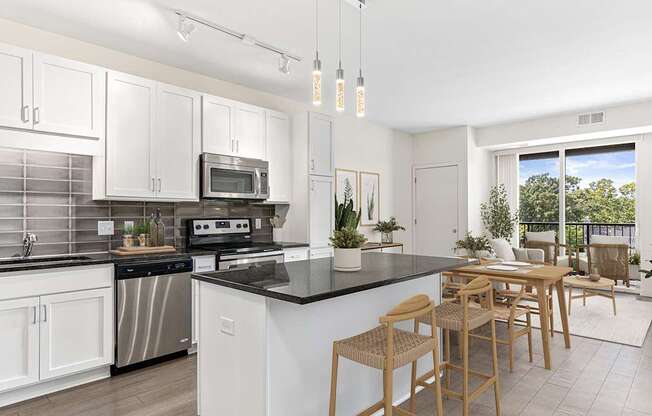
x=185 y=28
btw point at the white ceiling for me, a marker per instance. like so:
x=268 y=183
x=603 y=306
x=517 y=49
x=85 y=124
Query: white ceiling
x=429 y=64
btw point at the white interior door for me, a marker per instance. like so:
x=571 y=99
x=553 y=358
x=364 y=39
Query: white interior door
x=76 y=332
x=129 y=132
x=19 y=345
x=436 y=208
x=177 y=143
x=321 y=210
x=15 y=87
x=218 y=121
x=250 y=131
x=68 y=96
x=321 y=145
x=279 y=153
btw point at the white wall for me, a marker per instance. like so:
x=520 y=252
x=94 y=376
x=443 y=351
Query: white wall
x=360 y=144
x=480 y=179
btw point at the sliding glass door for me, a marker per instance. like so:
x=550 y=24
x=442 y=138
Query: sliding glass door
x=539 y=193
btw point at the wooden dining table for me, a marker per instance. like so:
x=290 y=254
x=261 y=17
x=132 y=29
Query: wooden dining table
x=540 y=277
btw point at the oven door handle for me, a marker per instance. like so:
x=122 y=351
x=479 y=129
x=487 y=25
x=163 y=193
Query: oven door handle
x=259 y=187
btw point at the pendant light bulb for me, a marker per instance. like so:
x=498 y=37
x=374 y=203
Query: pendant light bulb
x=339 y=89
x=316 y=81
x=360 y=97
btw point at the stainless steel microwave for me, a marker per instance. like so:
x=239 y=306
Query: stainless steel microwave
x=233 y=177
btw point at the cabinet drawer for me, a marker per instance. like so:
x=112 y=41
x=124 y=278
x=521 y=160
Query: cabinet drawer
x=44 y=282
x=203 y=264
x=320 y=253
x=295 y=254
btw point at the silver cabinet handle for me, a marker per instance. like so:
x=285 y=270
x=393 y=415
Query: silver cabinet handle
x=24 y=114
x=237 y=145
x=37 y=115
x=312 y=164
x=232 y=145
x=153 y=185
x=45 y=313
x=34 y=315
x=159 y=184
x=312 y=185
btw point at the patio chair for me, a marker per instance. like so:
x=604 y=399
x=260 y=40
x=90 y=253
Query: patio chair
x=608 y=256
x=548 y=242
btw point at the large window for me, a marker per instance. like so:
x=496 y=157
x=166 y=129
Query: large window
x=598 y=198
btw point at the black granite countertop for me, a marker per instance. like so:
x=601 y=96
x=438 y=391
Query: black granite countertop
x=52 y=262
x=310 y=281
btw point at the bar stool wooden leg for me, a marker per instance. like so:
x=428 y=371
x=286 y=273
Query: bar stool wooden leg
x=387 y=391
x=437 y=367
x=447 y=357
x=494 y=353
x=413 y=385
x=465 y=360
x=331 y=408
x=510 y=347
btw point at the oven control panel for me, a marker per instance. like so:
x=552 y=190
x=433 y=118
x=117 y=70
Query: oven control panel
x=219 y=226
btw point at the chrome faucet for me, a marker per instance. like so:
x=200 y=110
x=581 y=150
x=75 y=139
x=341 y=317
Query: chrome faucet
x=28 y=244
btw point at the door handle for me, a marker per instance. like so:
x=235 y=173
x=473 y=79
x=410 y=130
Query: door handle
x=24 y=114
x=454 y=230
x=34 y=315
x=159 y=184
x=237 y=146
x=45 y=313
x=232 y=145
x=153 y=185
x=37 y=115
x=312 y=164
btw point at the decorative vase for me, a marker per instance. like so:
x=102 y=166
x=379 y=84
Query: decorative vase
x=128 y=240
x=387 y=238
x=347 y=259
x=143 y=240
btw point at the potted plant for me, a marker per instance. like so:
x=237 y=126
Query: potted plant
x=634 y=265
x=497 y=215
x=387 y=228
x=346 y=239
x=128 y=235
x=142 y=231
x=475 y=247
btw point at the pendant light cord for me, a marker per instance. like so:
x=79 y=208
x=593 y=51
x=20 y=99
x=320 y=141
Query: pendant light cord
x=360 y=39
x=340 y=32
x=317 y=26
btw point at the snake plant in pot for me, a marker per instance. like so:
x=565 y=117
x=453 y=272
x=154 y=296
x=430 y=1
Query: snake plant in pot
x=346 y=239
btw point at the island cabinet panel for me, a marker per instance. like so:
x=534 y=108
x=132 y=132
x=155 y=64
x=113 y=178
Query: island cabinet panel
x=19 y=343
x=200 y=264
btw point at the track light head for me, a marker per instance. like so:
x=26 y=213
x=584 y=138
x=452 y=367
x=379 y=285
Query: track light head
x=284 y=64
x=185 y=28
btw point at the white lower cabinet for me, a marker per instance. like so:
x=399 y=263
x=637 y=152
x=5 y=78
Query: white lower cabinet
x=295 y=254
x=75 y=332
x=199 y=264
x=321 y=253
x=19 y=343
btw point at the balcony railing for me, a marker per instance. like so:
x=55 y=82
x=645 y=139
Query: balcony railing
x=579 y=233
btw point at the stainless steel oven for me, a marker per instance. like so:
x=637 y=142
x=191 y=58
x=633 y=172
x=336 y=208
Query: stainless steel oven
x=234 y=177
x=245 y=261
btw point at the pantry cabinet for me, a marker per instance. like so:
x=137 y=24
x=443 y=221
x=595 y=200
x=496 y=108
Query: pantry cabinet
x=321 y=208
x=19 y=343
x=320 y=151
x=279 y=155
x=232 y=128
x=153 y=141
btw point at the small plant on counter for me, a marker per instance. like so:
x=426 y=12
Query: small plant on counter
x=387 y=228
x=345 y=215
x=142 y=231
x=127 y=229
x=127 y=235
x=473 y=245
x=347 y=238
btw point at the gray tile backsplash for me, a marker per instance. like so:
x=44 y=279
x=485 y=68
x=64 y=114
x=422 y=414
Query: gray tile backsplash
x=49 y=194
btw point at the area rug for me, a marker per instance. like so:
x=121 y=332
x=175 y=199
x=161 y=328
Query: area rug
x=596 y=320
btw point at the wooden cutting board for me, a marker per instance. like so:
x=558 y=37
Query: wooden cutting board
x=132 y=251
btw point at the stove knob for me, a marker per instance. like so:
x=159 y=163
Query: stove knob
x=245 y=225
x=238 y=226
x=197 y=227
x=205 y=226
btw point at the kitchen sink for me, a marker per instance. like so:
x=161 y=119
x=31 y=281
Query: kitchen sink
x=19 y=261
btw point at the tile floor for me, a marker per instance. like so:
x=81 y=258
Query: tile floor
x=593 y=378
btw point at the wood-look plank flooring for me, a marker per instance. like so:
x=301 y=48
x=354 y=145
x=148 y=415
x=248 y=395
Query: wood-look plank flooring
x=593 y=378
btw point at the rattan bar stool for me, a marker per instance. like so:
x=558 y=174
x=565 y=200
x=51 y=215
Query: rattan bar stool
x=387 y=348
x=462 y=318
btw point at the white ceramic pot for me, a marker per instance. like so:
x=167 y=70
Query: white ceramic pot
x=347 y=259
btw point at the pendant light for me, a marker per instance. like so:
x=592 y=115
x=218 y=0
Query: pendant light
x=339 y=74
x=359 y=88
x=316 y=64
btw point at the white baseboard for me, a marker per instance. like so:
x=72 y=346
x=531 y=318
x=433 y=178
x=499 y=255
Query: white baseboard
x=47 y=387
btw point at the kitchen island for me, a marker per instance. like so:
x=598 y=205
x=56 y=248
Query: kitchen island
x=266 y=333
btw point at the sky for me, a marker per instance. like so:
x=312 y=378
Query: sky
x=617 y=166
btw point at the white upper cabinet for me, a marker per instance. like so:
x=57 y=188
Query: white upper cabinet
x=218 y=125
x=320 y=139
x=16 y=87
x=250 y=131
x=232 y=128
x=76 y=332
x=177 y=143
x=321 y=210
x=279 y=155
x=19 y=343
x=68 y=96
x=129 y=131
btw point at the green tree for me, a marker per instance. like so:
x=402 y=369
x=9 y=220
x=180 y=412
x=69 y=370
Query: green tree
x=539 y=199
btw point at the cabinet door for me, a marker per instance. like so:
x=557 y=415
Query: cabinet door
x=19 y=344
x=16 y=87
x=177 y=143
x=68 y=96
x=320 y=131
x=129 y=132
x=76 y=332
x=279 y=155
x=321 y=210
x=200 y=264
x=250 y=131
x=218 y=125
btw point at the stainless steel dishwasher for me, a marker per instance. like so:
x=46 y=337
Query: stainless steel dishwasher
x=153 y=312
